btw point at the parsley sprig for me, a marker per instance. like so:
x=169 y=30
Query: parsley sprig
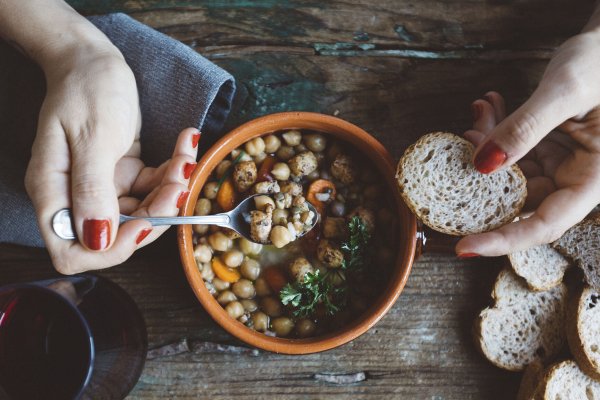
x=316 y=289
x=356 y=248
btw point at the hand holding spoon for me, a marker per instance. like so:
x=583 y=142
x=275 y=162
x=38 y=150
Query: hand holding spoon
x=236 y=219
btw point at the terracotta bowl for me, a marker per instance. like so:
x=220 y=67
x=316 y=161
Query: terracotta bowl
x=379 y=157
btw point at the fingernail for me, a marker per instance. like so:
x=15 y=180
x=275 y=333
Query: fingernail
x=489 y=158
x=467 y=255
x=188 y=168
x=182 y=198
x=96 y=233
x=488 y=98
x=477 y=110
x=142 y=235
x=195 y=139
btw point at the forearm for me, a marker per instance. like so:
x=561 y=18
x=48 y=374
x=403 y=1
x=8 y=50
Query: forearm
x=46 y=30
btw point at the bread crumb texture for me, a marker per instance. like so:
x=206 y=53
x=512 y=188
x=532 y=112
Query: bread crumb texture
x=522 y=326
x=541 y=266
x=565 y=381
x=440 y=185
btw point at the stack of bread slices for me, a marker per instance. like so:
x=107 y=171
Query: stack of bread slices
x=536 y=316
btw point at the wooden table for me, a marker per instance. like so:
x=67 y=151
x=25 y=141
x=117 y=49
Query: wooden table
x=398 y=69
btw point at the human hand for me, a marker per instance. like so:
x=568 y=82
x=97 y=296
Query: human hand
x=562 y=170
x=86 y=157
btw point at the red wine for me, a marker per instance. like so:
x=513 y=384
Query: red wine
x=45 y=346
x=79 y=337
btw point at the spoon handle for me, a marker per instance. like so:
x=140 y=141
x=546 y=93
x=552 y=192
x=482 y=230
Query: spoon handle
x=217 y=219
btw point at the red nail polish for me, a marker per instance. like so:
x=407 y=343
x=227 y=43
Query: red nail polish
x=477 y=109
x=182 y=198
x=468 y=255
x=195 y=139
x=96 y=233
x=188 y=168
x=142 y=235
x=489 y=158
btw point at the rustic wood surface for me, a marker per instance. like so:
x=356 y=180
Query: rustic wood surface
x=396 y=68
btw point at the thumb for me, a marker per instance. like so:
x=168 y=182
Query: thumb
x=516 y=135
x=93 y=194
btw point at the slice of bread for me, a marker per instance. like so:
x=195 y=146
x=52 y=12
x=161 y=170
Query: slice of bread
x=583 y=330
x=565 y=381
x=532 y=376
x=541 y=266
x=523 y=325
x=581 y=243
x=440 y=185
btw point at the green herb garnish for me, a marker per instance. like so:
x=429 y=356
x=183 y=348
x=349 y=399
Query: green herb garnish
x=314 y=290
x=355 y=248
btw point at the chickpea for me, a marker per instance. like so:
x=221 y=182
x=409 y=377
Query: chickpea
x=337 y=208
x=207 y=272
x=285 y=153
x=300 y=148
x=226 y=297
x=235 y=309
x=281 y=171
x=233 y=258
x=315 y=142
x=250 y=269
x=255 y=146
x=219 y=241
x=262 y=287
x=261 y=202
x=313 y=176
x=243 y=289
x=250 y=248
x=305 y=328
x=272 y=144
x=259 y=158
x=231 y=234
x=222 y=168
x=280 y=217
x=249 y=305
x=201 y=229
x=211 y=289
x=282 y=326
x=210 y=190
x=244 y=318
x=236 y=153
x=292 y=138
x=203 y=207
x=220 y=284
x=271 y=306
x=280 y=236
x=202 y=253
x=260 y=321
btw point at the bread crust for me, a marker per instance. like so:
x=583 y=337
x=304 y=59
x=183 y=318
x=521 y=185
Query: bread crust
x=575 y=309
x=403 y=167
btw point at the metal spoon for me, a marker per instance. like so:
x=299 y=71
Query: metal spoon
x=236 y=219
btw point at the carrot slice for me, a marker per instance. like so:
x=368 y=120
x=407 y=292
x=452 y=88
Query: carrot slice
x=264 y=172
x=226 y=196
x=275 y=279
x=320 y=186
x=223 y=272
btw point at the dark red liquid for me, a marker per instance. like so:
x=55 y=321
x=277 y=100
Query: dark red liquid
x=45 y=349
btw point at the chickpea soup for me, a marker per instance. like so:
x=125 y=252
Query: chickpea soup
x=282 y=284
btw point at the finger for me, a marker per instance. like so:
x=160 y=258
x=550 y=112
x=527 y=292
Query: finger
x=483 y=116
x=127 y=204
x=126 y=172
x=93 y=193
x=474 y=137
x=538 y=188
x=530 y=168
x=72 y=258
x=547 y=224
x=497 y=102
x=178 y=169
x=521 y=131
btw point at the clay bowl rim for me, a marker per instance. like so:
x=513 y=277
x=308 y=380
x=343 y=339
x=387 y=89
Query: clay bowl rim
x=407 y=231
